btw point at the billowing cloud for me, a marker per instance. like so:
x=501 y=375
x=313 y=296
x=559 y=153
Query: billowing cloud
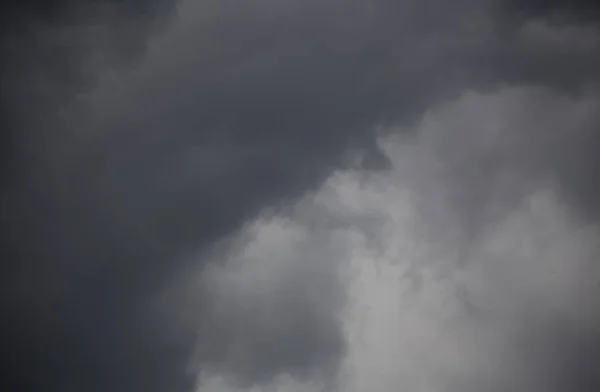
x=429 y=304
x=150 y=139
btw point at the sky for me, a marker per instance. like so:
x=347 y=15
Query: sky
x=300 y=196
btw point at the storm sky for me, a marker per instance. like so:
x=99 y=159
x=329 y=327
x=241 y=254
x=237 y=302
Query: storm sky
x=300 y=196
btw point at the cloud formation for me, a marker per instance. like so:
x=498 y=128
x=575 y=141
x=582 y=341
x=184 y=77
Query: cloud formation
x=204 y=152
x=428 y=305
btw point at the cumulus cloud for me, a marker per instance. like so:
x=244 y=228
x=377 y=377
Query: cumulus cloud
x=425 y=308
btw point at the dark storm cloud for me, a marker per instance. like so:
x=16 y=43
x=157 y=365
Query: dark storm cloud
x=560 y=10
x=58 y=331
x=242 y=106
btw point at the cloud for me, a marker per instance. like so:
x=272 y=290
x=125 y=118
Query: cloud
x=565 y=11
x=60 y=330
x=121 y=179
x=427 y=308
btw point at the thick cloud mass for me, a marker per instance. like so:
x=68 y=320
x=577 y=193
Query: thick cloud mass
x=430 y=305
x=244 y=194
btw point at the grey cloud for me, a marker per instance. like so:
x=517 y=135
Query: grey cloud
x=493 y=166
x=275 y=308
x=559 y=10
x=59 y=332
x=493 y=151
x=521 y=138
x=237 y=107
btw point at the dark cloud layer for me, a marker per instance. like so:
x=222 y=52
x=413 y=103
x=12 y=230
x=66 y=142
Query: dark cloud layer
x=580 y=10
x=240 y=107
x=61 y=330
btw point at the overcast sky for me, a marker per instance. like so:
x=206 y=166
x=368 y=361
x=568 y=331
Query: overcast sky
x=300 y=196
